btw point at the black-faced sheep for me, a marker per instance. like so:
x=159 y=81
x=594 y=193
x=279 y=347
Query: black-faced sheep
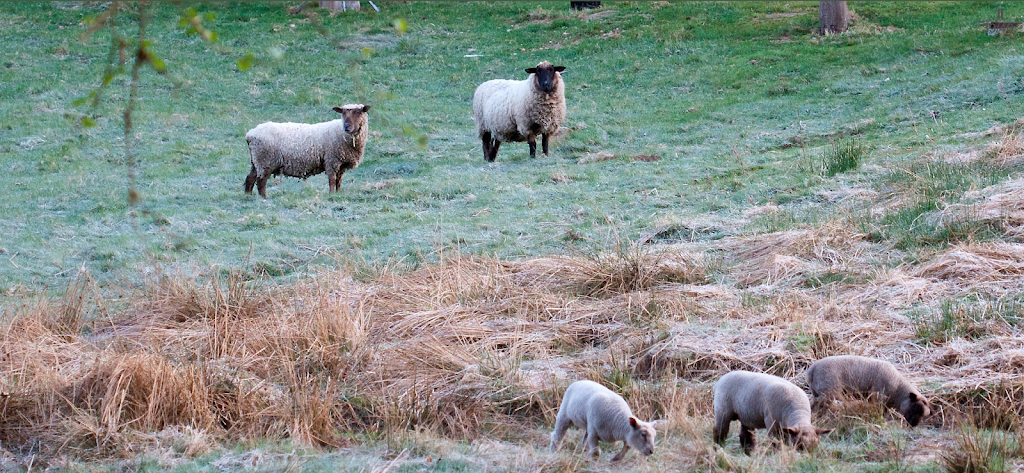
x=303 y=150
x=604 y=416
x=761 y=401
x=849 y=374
x=519 y=110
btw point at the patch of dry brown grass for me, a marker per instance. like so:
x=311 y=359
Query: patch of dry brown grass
x=474 y=346
x=790 y=257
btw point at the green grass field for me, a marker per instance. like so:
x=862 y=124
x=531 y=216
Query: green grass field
x=725 y=174
x=731 y=97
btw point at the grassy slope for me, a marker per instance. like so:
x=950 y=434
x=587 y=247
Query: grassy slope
x=719 y=91
x=709 y=87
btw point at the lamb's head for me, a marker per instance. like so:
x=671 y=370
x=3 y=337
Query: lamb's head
x=914 y=407
x=641 y=435
x=546 y=76
x=805 y=437
x=354 y=115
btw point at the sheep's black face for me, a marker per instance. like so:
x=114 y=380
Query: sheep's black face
x=546 y=76
x=354 y=116
x=914 y=409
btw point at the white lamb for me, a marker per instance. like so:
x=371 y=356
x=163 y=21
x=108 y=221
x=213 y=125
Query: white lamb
x=519 y=110
x=604 y=416
x=302 y=150
x=761 y=401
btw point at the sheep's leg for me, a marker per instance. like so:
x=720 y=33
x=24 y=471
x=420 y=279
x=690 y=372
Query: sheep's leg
x=486 y=139
x=747 y=439
x=494 y=150
x=561 y=425
x=621 y=454
x=592 y=447
x=533 y=145
x=544 y=143
x=261 y=185
x=250 y=180
x=332 y=182
x=721 y=430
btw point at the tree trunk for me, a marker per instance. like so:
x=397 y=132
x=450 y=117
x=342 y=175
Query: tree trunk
x=339 y=5
x=835 y=18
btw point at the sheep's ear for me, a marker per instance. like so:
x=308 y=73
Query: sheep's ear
x=366 y=108
x=559 y=68
x=531 y=70
x=822 y=431
x=338 y=109
x=791 y=430
x=913 y=396
x=633 y=422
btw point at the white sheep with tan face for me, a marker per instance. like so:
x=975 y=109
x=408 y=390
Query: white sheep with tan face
x=759 y=401
x=834 y=376
x=605 y=417
x=303 y=150
x=520 y=110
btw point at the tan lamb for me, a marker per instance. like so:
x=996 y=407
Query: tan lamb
x=834 y=376
x=604 y=416
x=761 y=401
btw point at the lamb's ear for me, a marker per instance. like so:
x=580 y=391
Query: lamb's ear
x=633 y=422
x=338 y=109
x=531 y=70
x=366 y=108
x=913 y=396
x=659 y=424
x=822 y=431
x=559 y=68
x=791 y=430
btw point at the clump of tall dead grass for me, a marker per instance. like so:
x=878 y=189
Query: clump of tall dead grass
x=630 y=267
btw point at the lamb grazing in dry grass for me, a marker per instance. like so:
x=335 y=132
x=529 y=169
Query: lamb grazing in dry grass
x=303 y=150
x=604 y=416
x=761 y=401
x=850 y=374
x=519 y=110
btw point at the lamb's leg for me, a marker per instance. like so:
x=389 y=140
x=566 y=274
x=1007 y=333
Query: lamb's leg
x=533 y=145
x=592 y=447
x=721 y=430
x=561 y=425
x=250 y=180
x=621 y=454
x=494 y=150
x=544 y=143
x=261 y=185
x=747 y=439
x=486 y=139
